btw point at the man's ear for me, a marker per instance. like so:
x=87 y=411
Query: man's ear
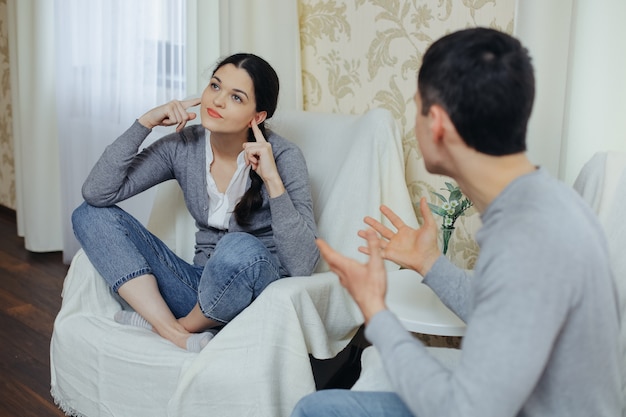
x=437 y=117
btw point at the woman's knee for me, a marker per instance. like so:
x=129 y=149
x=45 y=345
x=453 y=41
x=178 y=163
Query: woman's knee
x=305 y=407
x=326 y=403
x=83 y=218
x=237 y=250
x=88 y=219
x=236 y=273
x=240 y=241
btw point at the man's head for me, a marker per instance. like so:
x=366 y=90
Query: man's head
x=484 y=81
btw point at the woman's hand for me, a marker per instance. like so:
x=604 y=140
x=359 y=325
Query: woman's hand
x=169 y=114
x=415 y=249
x=260 y=157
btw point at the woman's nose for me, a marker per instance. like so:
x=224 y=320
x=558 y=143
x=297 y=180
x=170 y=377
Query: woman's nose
x=218 y=99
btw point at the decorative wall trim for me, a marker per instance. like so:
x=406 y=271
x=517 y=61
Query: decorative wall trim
x=7 y=164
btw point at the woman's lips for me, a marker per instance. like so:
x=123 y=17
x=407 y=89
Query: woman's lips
x=213 y=113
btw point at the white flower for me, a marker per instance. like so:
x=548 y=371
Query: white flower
x=452 y=207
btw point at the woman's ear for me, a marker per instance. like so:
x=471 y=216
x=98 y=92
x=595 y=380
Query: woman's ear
x=260 y=117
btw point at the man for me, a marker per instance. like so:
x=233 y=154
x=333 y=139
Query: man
x=540 y=306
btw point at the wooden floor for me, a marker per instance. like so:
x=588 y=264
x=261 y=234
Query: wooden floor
x=30 y=297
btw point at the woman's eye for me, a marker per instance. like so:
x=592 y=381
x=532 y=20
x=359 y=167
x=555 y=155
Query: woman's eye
x=236 y=98
x=214 y=86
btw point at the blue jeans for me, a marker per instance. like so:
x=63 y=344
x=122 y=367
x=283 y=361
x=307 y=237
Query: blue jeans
x=121 y=248
x=345 y=403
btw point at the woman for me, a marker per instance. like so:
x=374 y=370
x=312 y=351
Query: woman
x=250 y=198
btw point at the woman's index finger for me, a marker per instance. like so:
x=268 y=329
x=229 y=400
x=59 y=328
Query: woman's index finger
x=258 y=135
x=192 y=102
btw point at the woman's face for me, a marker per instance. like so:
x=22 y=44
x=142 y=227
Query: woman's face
x=228 y=102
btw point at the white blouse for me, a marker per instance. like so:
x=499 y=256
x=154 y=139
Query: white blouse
x=222 y=205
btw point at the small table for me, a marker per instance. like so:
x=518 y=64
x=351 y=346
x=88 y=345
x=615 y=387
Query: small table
x=418 y=307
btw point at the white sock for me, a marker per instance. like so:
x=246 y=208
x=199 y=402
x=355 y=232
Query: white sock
x=197 y=341
x=132 y=318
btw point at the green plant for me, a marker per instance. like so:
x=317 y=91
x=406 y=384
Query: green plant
x=450 y=210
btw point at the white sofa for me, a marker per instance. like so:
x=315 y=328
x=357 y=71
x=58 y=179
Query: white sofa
x=259 y=364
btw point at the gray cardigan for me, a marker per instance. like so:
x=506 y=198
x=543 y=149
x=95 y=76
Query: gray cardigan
x=284 y=224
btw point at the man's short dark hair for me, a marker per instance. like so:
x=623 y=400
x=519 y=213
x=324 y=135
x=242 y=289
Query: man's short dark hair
x=484 y=80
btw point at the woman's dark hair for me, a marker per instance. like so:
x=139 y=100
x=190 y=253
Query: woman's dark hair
x=266 y=87
x=484 y=80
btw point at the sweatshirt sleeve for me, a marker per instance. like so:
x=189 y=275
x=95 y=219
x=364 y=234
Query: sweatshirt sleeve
x=293 y=221
x=122 y=172
x=451 y=284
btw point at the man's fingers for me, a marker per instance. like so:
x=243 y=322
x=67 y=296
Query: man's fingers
x=393 y=217
x=338 y=263
x=374 y=224
x=375 y=250
x=364 y=249
x=328 y=253
x=429 y=219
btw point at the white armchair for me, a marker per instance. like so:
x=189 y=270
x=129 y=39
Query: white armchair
x=258 y=365
x=602 y=183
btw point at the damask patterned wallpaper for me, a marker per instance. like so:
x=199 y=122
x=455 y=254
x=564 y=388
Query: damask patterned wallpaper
x=7 y=167
x=362 y=54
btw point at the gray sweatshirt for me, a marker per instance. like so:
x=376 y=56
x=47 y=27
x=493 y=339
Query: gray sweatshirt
x=285 y=224
x=541 y=313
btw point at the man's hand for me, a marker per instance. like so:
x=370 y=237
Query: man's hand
x=366 y=283
x=410 y=248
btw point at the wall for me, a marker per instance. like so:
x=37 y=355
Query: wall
x=362 y=54
x=7 y=165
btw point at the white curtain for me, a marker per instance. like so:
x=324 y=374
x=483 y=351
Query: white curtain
x=32 y=57
x=115 y=59
x=83 y=70
x=203 y=42
x=580 y=61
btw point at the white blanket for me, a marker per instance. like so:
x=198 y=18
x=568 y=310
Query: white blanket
x=257 y=366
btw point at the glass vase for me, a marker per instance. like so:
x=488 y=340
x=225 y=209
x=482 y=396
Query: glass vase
x=447 y=234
